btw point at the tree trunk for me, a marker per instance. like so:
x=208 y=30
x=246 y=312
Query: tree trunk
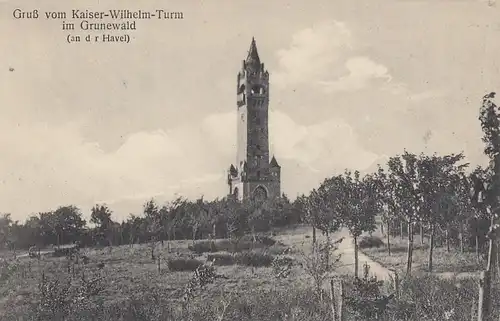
x=382 y=228
x=492 y=256
x=356 y=258
x=327 y=250
x=410 y=250
x=401 y=229
x=213 y=231
x=195 y=229
x=447 y=238
x=461 y=237
x=388 y=238
x=478 y=256
x=253 y=236
x=431 y=247
x=314 y=235
x=421 y=234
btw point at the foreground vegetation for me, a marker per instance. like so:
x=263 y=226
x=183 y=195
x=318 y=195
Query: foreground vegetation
x=124 y=283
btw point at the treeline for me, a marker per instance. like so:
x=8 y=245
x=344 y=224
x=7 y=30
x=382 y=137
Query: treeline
x=435 y=195
x=179 y=219
x=419 y=194
x=412 y=195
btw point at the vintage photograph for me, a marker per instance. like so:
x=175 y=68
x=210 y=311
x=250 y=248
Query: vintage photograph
x=252 y=160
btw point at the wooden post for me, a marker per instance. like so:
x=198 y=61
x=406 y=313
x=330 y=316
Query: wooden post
x=473 y=310
x=396 y=283
x=492 y=249
x=159 y=258
x=332 y=300
x=484 y=301
x=340 y=310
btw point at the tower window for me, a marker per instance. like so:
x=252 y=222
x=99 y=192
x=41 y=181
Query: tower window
x=258 y=89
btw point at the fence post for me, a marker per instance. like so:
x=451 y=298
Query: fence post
x=473 y=310
x=341 y=314
x=332 y=300
x=396 y=284
x=484 y=301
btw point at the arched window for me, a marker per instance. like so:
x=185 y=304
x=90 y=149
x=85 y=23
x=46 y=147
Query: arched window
x=260 y=193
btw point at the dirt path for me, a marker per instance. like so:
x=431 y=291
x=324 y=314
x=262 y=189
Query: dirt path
x=298 y=240
x=346 y=250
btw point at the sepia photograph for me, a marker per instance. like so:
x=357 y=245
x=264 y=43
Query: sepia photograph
x=252 y=160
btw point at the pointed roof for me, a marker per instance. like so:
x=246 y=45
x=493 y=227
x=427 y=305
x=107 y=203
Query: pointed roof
x=274 y=162
x=232 y=170
x=253 y=55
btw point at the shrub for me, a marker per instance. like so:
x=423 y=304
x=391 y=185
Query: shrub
x=370 y=241
x=221 y=258
x=203 y=247
x=183 y=264
x=266 y=240
x=282 y=266
x=253 y=259
x=246 y=243
x=65 y=251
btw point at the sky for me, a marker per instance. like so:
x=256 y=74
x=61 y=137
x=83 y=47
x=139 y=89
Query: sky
x=352 y=83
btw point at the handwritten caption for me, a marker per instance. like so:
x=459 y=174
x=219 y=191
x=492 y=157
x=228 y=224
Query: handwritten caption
x=87 y=26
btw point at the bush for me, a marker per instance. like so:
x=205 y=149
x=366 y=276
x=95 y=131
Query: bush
x=246 y=243
x=254 y=259
x=203 y=247
x=221 y=258
x=183 y=264
x=370 y=241
x=65 y=251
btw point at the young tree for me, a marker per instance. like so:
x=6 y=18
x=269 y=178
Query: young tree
x=385 y=202
x=404 y=180
x=439 y=185
x=5 y=224
x=359 y=208
x=478 y=180
x=236 y=221
x=153 y=221
x=304 y=204
x=489 y=116
x=328 y=202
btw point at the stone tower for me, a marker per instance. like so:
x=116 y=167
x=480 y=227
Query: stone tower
x=253 y=176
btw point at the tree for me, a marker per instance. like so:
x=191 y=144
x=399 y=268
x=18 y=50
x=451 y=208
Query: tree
x=236 y=221
x=198 y=216
x=329 y=204
x=489 y=117
x=63 y=225
x=386 y=202
x=101 y=217
x=404 y=181
x=153 y=221
x=477 y=181
x=440 y=191
x=304 y=204
x=5 y=224
x=359 y=208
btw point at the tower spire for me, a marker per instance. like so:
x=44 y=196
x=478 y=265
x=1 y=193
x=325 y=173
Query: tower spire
x=253 y=55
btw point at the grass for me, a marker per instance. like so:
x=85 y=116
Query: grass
x=129 y=286
x=128 y=273
x=443 y=261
